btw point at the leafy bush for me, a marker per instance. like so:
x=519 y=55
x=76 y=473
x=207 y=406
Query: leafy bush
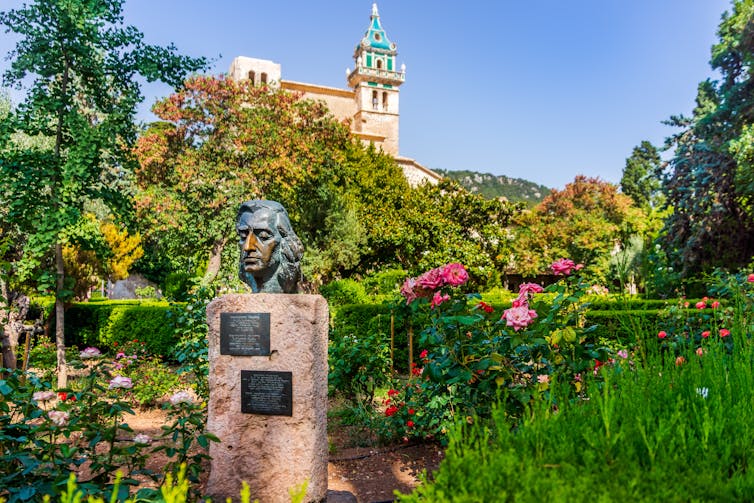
x=385 y=282
x=190 y=321
x=343 y=291
x=662 y=429
x=44 y=434
x=153 y=379
x=105 y=323
x=359 y=364
x=470 y=354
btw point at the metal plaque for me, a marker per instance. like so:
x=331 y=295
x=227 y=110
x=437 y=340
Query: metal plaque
x=245 y=334
x=267 y=392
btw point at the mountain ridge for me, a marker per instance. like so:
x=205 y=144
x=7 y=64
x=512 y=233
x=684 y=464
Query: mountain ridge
x=493 y=186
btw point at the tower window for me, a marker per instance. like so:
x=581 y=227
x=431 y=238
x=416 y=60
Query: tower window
x=377 y=37
x=384 y=101
x=251 y=76
x=264 y=78
x=379 y=64
x=375 y=100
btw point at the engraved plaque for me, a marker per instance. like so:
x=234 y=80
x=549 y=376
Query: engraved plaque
x=267 y=392
x=245 y=334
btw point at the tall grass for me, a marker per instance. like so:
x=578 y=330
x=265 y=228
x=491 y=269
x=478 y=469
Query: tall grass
x=663 y=430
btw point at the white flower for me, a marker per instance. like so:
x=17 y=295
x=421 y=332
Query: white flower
x=702 y=392
x=181 y=397
x=142 y=439
x=90 y=353
x=58 y=417
x=121 y=382
x=43 y=396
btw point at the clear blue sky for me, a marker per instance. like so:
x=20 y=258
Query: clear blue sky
x=542 y=90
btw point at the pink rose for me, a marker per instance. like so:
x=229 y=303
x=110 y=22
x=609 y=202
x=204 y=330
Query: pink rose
x=519 y=317
x=724 y=332
x=454 y=274
x=715 y=305
x=750 y=279
x=438 y=299
x=431 y=280
x=700 y=305
x=705 y=334
x=408 y=290
x=563 y=266
x=661 y=334
x=529 y=288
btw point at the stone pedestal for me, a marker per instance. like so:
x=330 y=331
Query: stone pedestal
x=272 y=453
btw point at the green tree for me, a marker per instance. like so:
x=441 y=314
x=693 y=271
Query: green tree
x=223 y=142
x=445 y=223
x=708 y=180
x=640 y=179
x=587 y=221
x=82 y=66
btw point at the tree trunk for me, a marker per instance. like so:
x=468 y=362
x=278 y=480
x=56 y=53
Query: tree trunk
x=15 y=307
x=62 y=369
x=215 y=262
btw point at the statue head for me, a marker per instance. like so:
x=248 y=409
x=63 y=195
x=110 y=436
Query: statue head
x=270 y=252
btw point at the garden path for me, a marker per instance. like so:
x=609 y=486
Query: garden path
x=368 y=474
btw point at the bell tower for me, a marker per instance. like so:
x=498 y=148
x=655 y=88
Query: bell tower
x=375 y=82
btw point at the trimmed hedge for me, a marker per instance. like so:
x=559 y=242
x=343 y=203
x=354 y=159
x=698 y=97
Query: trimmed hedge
x=102 y=324
x=621 y=325
x=373 y=319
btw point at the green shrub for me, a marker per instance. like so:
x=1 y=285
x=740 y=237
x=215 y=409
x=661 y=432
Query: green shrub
x=673 y=424
x=343 y=291
x=102 y=324
x=152 y=380
x=373 y=322
x=387 y=282
x=359 y=353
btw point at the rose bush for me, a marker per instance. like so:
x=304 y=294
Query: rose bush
x=471 y=356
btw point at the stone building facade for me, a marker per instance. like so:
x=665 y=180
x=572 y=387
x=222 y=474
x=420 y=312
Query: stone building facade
x=370 y=104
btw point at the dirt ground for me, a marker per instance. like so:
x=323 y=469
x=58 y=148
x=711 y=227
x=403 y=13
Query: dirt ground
x=362 y=474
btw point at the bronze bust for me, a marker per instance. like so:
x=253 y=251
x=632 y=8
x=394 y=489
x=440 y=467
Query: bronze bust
x=270 y=252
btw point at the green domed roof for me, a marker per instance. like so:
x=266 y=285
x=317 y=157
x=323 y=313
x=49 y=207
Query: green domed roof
x=375 y=37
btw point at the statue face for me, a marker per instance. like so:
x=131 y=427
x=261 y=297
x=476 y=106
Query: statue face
x=258 y=238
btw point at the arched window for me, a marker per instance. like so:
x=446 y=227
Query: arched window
x=384 y=100
x=375 y=100
x=251 y=76
x=379 y=64
x=264 y=78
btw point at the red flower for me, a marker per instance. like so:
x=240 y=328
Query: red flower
x=597 y=364
x=715 y=305
x=750 y=279
x=724 y=332
x=705 y=334
x=63 y=396
x=391 y=410
x=701 y=304
x=411 y=412
x=662 y=334
x=485 y=307
x=410 y=423
x=391 y=392
x=423 y=354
